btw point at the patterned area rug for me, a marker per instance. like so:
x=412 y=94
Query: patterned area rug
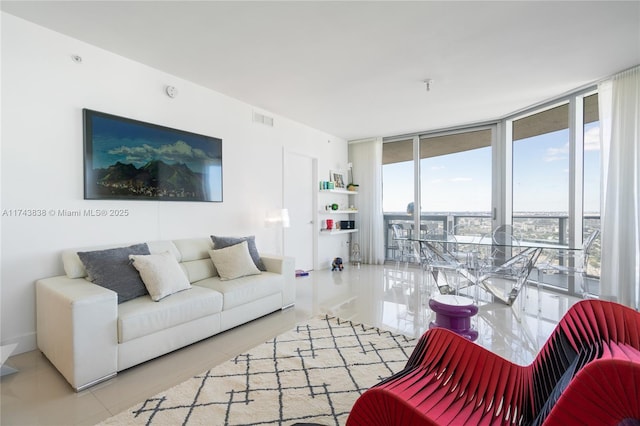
x=313 y=373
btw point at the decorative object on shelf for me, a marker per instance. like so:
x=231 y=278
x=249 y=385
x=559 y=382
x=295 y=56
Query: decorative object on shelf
x=338 y=179
x=347 y=224
x=337 y=264
x=329 y=223
x=335 y=206
x=351 y=186
x=326 y=185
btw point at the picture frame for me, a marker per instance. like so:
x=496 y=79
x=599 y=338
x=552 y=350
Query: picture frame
x=126 y=159
x=338 y=179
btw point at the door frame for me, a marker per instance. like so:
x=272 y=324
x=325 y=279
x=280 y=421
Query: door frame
x=314 y=202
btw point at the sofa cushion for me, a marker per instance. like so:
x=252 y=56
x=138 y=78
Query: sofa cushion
x=163 y=246
x=161 y=274
x=111 y=269
x=246 y=289
x=233 y=262
x=194 y=258
x=74 y=268
x=197 y=270
x=142 y=316
x=193 y=248
x=222 y=242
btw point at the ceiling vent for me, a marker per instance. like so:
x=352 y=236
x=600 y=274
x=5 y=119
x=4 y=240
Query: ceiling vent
x=262 y=119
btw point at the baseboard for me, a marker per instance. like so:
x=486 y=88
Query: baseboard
x=26 y=343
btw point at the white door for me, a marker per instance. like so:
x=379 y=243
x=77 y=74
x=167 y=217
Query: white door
x=298 y=198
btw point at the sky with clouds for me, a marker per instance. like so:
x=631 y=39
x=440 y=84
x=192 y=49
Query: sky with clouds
x=462 y=182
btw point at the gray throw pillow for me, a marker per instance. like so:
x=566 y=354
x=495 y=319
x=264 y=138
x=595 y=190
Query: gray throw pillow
x=112 y=269
x=222 y=242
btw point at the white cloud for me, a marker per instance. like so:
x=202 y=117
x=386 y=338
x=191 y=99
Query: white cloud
x=592 y=139
x=557 y=154
x=179 y=152
x=591 y=143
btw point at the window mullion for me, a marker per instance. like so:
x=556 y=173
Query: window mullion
x=417 y=187
x=576 y=152
x=502 y=174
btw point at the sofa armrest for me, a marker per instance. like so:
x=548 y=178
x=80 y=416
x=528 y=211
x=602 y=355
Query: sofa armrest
x=77 y=329
x=285 y=266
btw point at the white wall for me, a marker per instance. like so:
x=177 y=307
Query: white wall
x=43 y=93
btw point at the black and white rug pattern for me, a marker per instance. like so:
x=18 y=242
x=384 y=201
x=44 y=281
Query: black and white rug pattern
x=311 y=374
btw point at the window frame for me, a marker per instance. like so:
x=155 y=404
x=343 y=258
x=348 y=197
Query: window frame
x=502 y=161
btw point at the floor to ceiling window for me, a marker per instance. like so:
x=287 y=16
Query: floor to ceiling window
x=541 y=175
x=455 y=182
x=556 y=184
x=398 y=194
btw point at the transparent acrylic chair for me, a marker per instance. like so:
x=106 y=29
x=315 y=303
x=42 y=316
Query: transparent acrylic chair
x=400 y=277
x=506 y=266
x=573 y=263
x=444 y=264
x=403 y=247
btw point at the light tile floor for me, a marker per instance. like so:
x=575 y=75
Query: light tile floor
x=375 y=295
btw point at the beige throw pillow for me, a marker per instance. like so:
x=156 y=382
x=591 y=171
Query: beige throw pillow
x=233 y=261
x=161 y=274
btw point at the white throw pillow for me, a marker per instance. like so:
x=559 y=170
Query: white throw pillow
x=161 y=274
x=233 y=261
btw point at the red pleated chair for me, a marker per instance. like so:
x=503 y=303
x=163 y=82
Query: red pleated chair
x=587 y=373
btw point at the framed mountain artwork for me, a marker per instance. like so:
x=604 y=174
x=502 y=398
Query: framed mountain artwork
x=133 y=160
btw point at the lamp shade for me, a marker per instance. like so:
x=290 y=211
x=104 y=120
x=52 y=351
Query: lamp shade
x=279 y=217
x=284 y=217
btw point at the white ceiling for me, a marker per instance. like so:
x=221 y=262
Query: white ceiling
x=356 y=69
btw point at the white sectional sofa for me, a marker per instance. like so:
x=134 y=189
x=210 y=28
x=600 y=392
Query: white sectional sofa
x=88 y=336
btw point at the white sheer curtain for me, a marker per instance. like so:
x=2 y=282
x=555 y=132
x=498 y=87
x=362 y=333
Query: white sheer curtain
x=619 y=106
x=366 y=159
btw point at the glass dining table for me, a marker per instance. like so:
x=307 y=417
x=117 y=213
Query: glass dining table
x=500 y=267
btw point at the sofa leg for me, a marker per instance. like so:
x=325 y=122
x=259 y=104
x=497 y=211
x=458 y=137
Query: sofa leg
x=95 y=382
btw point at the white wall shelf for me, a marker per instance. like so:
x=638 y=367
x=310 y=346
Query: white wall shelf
x=339 y=191
x=338 y=211
x=338 y=194
x=337 y=231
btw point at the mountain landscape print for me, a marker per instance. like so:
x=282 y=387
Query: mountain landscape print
x=128 y=159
